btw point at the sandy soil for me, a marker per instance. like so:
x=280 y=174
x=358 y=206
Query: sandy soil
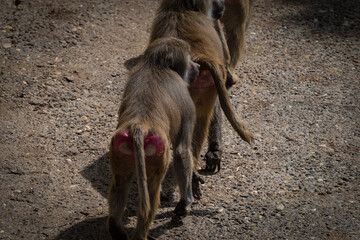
x=62 y=75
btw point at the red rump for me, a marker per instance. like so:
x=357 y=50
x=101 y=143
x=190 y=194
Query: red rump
x=203 y=81
x=123 y=143
x=153 y=144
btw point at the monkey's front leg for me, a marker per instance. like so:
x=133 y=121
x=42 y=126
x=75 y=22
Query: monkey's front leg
x=213 y=156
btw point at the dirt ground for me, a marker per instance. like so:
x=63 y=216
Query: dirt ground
x=62 y=75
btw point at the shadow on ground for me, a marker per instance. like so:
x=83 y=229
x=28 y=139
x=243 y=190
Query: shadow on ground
x=99 y=174
x=95 y=229
x=86 y=230
x=339 y=17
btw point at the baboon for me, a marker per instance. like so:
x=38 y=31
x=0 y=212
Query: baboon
x=193 y=21
x=156 y=111
x=171 y=21
x=235 y=20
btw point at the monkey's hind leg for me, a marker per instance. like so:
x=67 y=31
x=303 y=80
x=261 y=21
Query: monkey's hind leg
x=183 y=166
x=183 y=174
x=213 y=156
x=156 y=170
x=199 y=136
x=117 y=200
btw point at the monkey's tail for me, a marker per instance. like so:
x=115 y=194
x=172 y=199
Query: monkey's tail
x=138 y=133
x=239 y=125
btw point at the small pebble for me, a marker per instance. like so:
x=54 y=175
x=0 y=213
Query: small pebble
x=6 y=45
x=280 y=207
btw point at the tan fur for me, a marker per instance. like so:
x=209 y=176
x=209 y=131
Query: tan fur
x=195 y=27
x=235 y=20
x=156 y=101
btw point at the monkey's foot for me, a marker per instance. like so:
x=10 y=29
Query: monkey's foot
x=115 y=232
x=213 y=159
x=196 y=179
x=231 y=79
x=151 y=238
x=182 y=209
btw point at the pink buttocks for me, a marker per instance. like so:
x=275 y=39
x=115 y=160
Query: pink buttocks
x=123 y=143
x=153 y=144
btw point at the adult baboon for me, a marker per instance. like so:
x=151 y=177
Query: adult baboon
x=192 y=21
x=156 y=110
x=235 y=21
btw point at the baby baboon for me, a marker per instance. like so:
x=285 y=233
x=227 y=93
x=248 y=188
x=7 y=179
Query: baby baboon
x=156 y=110
x=193 y=21
x=235 y=21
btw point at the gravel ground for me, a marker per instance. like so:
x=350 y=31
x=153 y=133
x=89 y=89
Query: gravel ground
x=62 y=75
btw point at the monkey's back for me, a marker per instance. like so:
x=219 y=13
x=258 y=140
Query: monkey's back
x=193 y=27
x=158 y=98
x=198 y=30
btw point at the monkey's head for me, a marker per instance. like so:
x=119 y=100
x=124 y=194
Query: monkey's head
x=212 y=8
x=174 y=54
x=218 y=9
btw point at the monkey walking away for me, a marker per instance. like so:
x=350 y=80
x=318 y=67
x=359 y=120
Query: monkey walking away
x=235 y=20
x=193 y=21
x=156 y=111
x=173 y=14
x=238 y=12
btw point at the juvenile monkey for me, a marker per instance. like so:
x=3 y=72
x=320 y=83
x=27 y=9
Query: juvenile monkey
x=235 y=20
x=193 y=21
x=156 y=111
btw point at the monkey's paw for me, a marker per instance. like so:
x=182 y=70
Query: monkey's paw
x=151 y=238
x=231 y=79
x=182 y=209
x=196 y=180
x=213 y=159
x=115 y=232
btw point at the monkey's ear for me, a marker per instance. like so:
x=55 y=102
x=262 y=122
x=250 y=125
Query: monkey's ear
x=173 y=66
x=130 y=63
x=169 y=61
x=173 y=62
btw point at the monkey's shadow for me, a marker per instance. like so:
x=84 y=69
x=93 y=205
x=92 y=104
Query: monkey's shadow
x=99 y=175
x=95 y=228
